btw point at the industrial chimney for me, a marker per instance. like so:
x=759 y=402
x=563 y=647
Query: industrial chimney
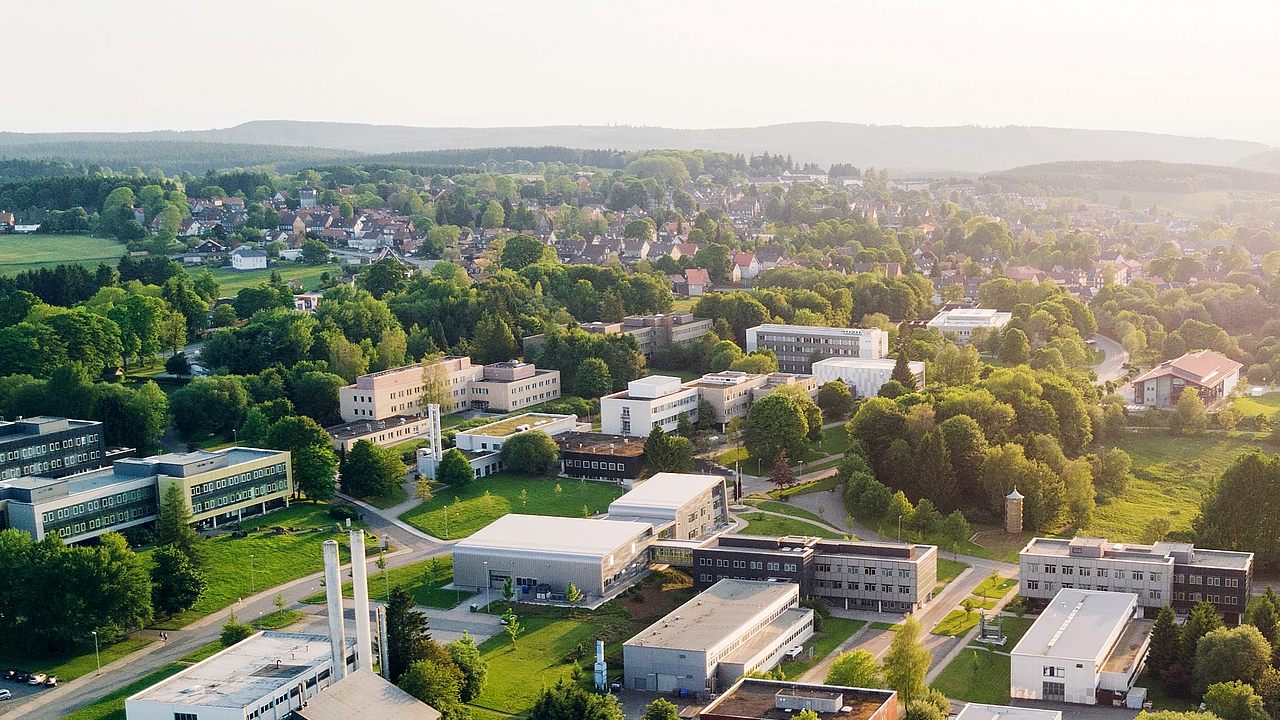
x=360 y=581
x=333 y=593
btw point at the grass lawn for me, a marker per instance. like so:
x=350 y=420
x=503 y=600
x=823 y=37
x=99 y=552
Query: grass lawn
x=424 y=580
x=484 y=500
x=804 y=488
x=834 y=631
x=391 y=499
x=994 y=587
x=73 y=663
x=1266 y=405
x=276 y=620
x=980 y=675
x=788 y=509
x=232 y=281
x=771 y=525
x=1160 y=700
x=949 y=570
x=1171 y=473
x=28 y=252
x=835 y=441
x=111 y=706
x=238 y=567
x=956 y=623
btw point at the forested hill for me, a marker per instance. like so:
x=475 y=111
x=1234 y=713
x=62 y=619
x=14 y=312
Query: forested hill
x=170 y=156
x=965 y=149
x=1077 y=178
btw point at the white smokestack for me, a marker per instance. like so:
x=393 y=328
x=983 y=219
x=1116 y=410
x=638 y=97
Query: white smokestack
x=333 y=593
x=360 y=580
x=383 y=655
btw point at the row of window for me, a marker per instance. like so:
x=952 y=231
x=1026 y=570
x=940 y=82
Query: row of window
x=246 y=494
x=866 y=570
x=233 y=480
x=33 y=451
x=742 y=565
x=1086 y=571
x=94 y=505
x=1049 y=587
x=594 y=465
x=117 y=518
x=1215 y=599
x=1212 y=580
x=866 y=587
x=36 y=468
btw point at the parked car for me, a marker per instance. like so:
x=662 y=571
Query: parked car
x=37 y=679
x=21 y=676
x=6 y=694
x=51 y=681
x=8 y=674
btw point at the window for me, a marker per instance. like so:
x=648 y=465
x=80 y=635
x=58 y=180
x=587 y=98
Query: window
x=1154 y=594
x=1068 y=569
x=1138 y=575
x=184 y=716
x=1119 y=574
x=1050 y=569
x=1033 y=584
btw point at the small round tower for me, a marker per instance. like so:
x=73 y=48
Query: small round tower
x=1013 y=512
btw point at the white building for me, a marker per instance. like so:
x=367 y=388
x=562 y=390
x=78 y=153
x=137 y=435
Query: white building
x=248 y=259
x=864 y=376
x=980 y=711
x=483 y=445
x=961 y=322
x=655 y=400
x=679 y=505
x=732 y=628
x=797 y=346
x=1086 y=647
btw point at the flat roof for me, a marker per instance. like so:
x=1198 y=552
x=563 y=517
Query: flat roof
x=601 y=444
x=767 y=636
x=360 y=428
x=506 y=427
x=1161 y=553
x=721 y=612
x=753 y=699
x=812 y=329
x=860 y=363
x=244 y=672
x=1078 y=624
x=980 y=711
x=364 y=695
x=666 y=491
x=561 y=535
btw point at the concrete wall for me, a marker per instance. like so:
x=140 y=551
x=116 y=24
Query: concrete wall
x=653 y=669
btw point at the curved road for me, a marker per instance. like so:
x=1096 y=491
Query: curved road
x=1112 y=366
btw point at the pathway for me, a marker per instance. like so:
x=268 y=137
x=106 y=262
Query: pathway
x=1112 y=365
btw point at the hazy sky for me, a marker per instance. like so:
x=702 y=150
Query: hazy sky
x=1202 y=68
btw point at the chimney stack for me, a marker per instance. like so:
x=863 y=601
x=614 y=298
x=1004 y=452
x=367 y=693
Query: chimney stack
x=360 y=580
x=333 y=593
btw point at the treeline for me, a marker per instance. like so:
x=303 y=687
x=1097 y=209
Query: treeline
x=1084 y=177
x=17 y=170
x=64 y=193
x=175 y=157
x=507 y=157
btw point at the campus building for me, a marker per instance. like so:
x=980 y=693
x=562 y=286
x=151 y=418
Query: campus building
x=885 y=577
x=383 y=433
x=678 y=505
x=731 y=393
x=51 y=447
x=1086 y=648
x=542 y=555
x=652 y=332
x=656 y=400
x=797 y=347
x=399 y=391
x=508 y=386
x=1164 y=573
x=864 y=376
x=1211 y=375
x=755 y=699
x=218 y=487
x=483 y=445
x=960 y=323
x=597 y=456
x=732 y=628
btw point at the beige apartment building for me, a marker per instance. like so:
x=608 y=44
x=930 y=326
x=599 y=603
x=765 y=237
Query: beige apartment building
x=508 y=386
x=385 y=394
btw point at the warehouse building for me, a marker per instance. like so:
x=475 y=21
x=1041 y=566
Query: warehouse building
x=754 y=699
x=542 y=555
x=864 y=376
x=732 y=628
x=678 y=505
x=1086 y=647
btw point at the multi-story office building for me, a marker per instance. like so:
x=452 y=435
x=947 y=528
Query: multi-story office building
x=731 y=393
x=399 y=391
x=51 y=447
x=597 y=456
x=797 y=347
x=679 y=505
x=508 y=386
x=886 y=577
x=962 y=322
x=864 y=376
x=657 y=400
x=1166 y=573
x=732 y=628
x=383 y=433
x=218 y=486
x=652 y=332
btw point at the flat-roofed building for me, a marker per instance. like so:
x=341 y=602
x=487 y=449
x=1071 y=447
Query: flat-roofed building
x=1164 y=573
x=597 y=456
x=679 y=505
x=267 y=675
x=864 y=376
x=854 y=574
x=797 y=347
x=483 y=445
x=732 y=628
x=656 y=400
x=51 y=447
x=366 y=696
x=1086 y=648
x=981 y=711
x=508 y=386
x=400 y=391
x=755 y=699
x=731 y=393
x=960 y=323
x=542 y=555
x=383 y=433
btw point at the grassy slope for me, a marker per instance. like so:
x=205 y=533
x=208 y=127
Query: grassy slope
x=473 y=509
x=772 y=525
x=424 y=580
x=1266 y=405
x=25 y=252
x=231 y=281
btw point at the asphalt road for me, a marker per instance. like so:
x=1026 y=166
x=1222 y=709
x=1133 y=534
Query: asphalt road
x=1112 y=366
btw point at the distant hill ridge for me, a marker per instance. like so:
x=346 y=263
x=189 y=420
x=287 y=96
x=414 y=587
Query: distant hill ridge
x=966 y=149
x=1079 y=177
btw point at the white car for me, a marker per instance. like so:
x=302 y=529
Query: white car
x=37 y=679
x=6 y=695
x=794 y=651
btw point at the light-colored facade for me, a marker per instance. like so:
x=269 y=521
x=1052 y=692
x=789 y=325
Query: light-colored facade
x=509 y=386
x=961 y=322
x=483 y=445
x=399 y=391
x=798 y=346
x=1085 y=648
x=1206 y=372
x=864 y=376
x=542 y=555
x=268 y=675
x=981 y=711
x=730 y=629
x=656 y=400
x=221 y=485
x=731 y=393
x=681 y=505
x=383 y=433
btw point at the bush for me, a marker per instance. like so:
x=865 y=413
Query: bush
x=344 y=512
x=178 y=364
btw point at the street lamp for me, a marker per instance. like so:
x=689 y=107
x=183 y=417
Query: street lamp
x=253 y=575
x=97 y=659
x=487 y=583
x=899 y=528
x=235 y=439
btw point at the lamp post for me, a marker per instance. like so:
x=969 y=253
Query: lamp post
x=487 y=583
x=235 y=438
x=899 y=528
x=253 y=575
x=97 y=659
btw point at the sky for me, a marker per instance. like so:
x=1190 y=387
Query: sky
x=1196 y=68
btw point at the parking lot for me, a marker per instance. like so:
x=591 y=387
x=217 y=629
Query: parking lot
x=21 y=691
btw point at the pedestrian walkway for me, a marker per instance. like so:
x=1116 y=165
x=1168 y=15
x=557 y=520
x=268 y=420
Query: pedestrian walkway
x=394 y=520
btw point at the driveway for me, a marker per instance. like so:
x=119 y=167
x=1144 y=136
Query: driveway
x=1112 y=365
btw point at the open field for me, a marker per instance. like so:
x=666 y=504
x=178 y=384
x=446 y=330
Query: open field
x=232 y=281
x=1265 y=405
x=760 y=524
x=424 y=580
x=1193 y=204
x=1171 y=473
x=980 y=675
x=28 y=252
x=457 y=512
x=834 y=631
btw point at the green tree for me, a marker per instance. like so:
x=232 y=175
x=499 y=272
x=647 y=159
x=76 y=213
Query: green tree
x=176 y=583
x=208 y=405
x=907 y=662
x=493 y=341
x=383 y=278
x=775 y=424
x=371 y=471
x=1202 y=620
x=173 y=526
x=408 y=633
x=233 y=631
x=1234 y=700
x=835 y=399
x=936 y=477
x=314 y=470
x=954 y=365
x=1015 y=349
x=592 y=380
x=454 y=468
x=664 y=452
x=1263 y=616
x=512 y=626
x=661 y=709
x=902 y=372
x=520 y=251
x=315 y=252
x=569 y=701
x=1188 y=414
x=1112 y=470
x=438 y=684
x=532 y=452
x=854 y=668
x=1165 y=649
x=1229 y=654
x=466 y=656
x=493 y=215
x=572 y=594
